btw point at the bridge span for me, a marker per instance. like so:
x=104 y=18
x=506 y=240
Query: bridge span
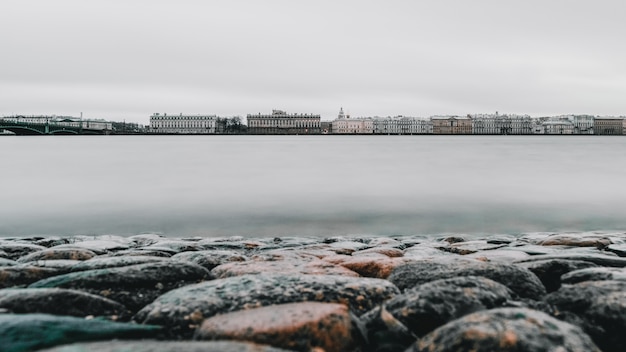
x=21 y=128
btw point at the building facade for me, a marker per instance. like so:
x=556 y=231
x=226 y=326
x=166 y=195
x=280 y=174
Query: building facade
x=558 y=125
x=280 y=122
x=182 y=124
x=452 y=124
x=343 y=124
x=583 y=124
x=608 y=126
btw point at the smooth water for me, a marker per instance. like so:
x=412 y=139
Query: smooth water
x=310 y=185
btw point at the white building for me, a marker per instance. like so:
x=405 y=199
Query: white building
x=583 y=124
x=402 y=125
x=281 y=122
x=182 y=124
x=521 y=124
x=501 y=124
x=558 y=125
x=343 y=124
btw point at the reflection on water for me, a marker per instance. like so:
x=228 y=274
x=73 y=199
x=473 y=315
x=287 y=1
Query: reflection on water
x=310 y=185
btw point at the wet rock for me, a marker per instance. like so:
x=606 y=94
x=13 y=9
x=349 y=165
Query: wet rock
x=52 y=241
x=115 y=262
x=7 y=262
x=424 y=253
x=183 y=309
x=146 y=239
x=386 y=242
x=520 y=280
x=165 y=346
x=619 y=249
x=506 y=329
x=135 y=252
x=14 y=250
x=99 y=244
x=173 y=246
x=597 y=241
x=368 y=266
x=23 y=275
x=209 y=259
x=550 y=271
x=594 y=274
x=295 y=326
x=60 y=302
x=469 y=247
x=598 y=307
x=62 y=266
x=281 y=265
x=600 y=259
x=28 y=332
x=386 y=251
x=134 y=286
x=429 y=306
x=348 y=247
x=504 y=255
x=58 y=253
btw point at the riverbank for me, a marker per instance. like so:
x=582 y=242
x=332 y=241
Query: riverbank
x=535 y=292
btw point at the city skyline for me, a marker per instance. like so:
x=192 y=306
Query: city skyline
x=119 y=60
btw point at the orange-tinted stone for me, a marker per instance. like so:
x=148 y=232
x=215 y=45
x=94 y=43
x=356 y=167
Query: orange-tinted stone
x=297 y=326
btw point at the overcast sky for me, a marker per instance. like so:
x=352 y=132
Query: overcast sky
x=126 y=59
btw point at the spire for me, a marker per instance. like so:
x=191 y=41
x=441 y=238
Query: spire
x=341 y=115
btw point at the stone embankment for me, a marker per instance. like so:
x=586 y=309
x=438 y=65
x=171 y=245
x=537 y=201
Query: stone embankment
x=529 y=293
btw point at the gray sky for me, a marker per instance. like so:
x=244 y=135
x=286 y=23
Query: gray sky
x=126 y=59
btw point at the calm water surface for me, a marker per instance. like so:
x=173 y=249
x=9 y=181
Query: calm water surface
x=310 y=185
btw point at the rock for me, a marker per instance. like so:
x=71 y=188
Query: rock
x=368 y=266
x=23 y=274
x=61 y=266
x=115 y=262
x=386 y=251
x=506 y=329
x=549 y=271
x=504 y=255
x=619 y=249
x=173 y=246
x=165 y=346
x=97 y=246
x=61 y=302
x=7 y=262
x=58 y=253
x=425 y=308
x=386 y=242
x=209 y=259
x=594 y=274
x=308 y=266
x=520 y=280
x=146 y=239
x=140 y=253
x=469 y=247
x=27 y=332
x=597 y=241
x=15 y=250
x=598 y=307
x=134 y=286
x=295 y=326
x=599 y=259
x=181 y=310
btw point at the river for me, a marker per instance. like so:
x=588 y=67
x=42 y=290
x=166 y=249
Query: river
x=310 y=185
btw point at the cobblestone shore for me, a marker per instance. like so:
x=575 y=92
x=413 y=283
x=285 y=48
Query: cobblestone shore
x=533 y=292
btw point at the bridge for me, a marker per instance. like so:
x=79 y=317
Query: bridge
x=21 y=128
